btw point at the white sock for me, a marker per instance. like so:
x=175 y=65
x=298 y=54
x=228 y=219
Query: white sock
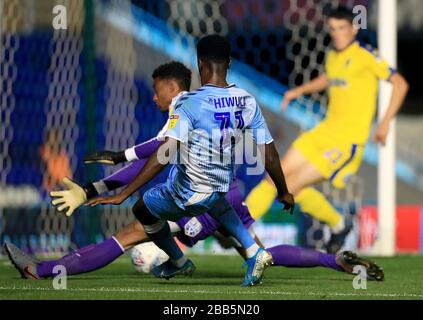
x=339 y=227
x=154 y=228
x=252 y=250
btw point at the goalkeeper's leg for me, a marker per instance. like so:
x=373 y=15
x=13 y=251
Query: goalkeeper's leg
x=296 y=257
x=96 y=256
x=86 y=259
x=290 y=256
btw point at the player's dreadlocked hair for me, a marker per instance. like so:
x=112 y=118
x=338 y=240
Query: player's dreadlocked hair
x=174 y=71
x=342 y=13
x=215 y=49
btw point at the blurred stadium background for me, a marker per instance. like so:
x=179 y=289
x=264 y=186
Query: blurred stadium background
x=65 y=93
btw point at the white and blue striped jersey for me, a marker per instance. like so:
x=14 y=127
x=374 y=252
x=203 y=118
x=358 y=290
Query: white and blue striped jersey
x=209 y=122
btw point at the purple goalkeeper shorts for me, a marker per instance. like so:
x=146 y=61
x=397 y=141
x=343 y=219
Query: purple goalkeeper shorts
x=194 y=229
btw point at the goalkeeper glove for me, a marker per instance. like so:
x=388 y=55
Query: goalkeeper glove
x=106 y=157
x=71 y=199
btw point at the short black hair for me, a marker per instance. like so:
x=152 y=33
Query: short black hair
x=174 y=71
x=214 y=48
x=342 y=13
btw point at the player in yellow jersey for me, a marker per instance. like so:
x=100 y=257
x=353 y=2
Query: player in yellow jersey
x=333 y=150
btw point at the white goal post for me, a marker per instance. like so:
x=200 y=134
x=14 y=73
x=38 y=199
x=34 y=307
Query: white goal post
x=387 y=38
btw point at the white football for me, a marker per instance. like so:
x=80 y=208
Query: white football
x=146 y=256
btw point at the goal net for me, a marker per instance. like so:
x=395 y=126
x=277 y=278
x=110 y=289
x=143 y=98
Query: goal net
x=65 y=93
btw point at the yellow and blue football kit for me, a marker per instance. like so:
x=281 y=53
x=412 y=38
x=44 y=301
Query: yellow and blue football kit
x=335 y=146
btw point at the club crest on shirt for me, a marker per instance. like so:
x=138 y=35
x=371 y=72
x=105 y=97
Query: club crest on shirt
x=347 y=63
x=337 y=82
x=173 y=120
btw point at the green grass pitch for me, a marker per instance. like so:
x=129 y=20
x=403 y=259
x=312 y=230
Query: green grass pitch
x=219 y=277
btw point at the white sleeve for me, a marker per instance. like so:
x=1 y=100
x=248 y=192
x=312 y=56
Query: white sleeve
x=161 y=135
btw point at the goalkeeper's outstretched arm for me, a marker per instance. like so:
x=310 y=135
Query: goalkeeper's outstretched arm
x=71 y=198
x=138 y=155
x=152 y=168
x=140 y=151
x=116 y=180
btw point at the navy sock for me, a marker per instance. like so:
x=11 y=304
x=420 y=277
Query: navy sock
x=160 y=234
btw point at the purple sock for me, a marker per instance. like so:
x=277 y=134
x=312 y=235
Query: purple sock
x=86 y=259
x=296 y=257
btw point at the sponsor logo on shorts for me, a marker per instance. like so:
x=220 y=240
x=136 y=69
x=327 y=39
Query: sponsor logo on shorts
x=333 y=155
